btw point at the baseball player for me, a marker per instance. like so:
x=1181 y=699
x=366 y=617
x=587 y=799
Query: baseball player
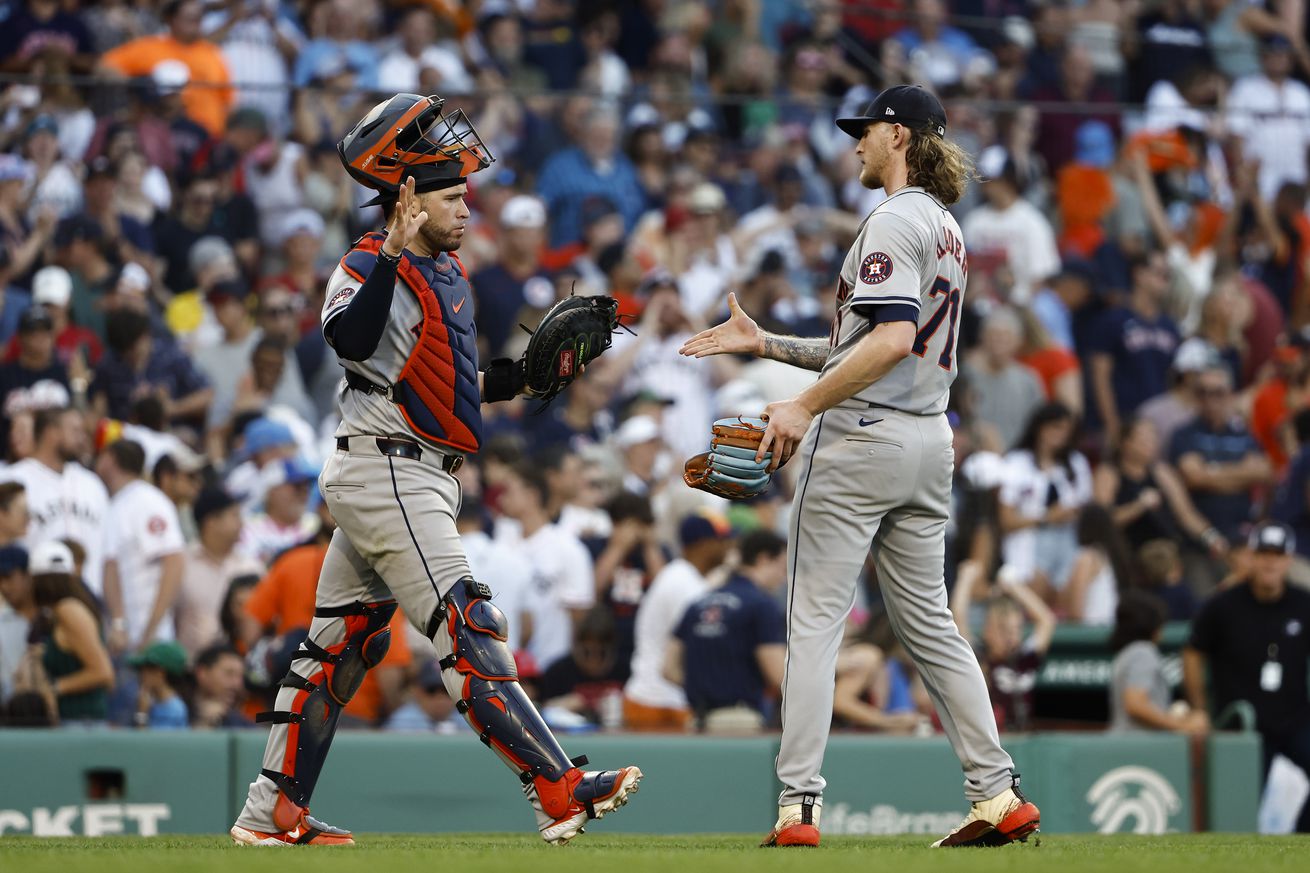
x=399 y=313
x=876 y=468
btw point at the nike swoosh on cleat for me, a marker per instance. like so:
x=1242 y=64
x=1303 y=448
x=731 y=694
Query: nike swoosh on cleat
x=866 y=423
x=460 y=305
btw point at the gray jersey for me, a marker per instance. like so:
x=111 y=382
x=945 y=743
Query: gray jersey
x=909 y=252
x=373 y=413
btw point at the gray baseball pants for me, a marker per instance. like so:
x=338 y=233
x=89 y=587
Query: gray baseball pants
x=395 y=538
x=875 y=478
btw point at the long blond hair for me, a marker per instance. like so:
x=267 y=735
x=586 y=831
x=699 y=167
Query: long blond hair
x=939 y=166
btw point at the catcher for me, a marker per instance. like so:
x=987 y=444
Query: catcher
x=399 y=313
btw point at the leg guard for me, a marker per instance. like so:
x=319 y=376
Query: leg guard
x=313 y=696
x=479 y=671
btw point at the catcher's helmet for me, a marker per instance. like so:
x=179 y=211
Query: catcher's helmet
x=409 y=135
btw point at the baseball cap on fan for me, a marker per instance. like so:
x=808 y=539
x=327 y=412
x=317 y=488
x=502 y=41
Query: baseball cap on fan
x=1271 y=536
x=911 y=105
x=50 y=557
x=523 y=210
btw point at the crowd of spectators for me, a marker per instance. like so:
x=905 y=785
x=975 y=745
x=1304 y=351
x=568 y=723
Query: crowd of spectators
x=1134 y=391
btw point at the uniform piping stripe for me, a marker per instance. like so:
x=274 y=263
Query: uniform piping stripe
x=395 y=489
x=795 y=552
x=868 y=298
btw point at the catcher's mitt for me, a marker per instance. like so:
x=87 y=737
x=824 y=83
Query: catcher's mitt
x=729 y=468
x=571 y=334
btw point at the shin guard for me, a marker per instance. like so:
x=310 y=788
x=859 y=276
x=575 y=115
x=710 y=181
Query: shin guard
x=322 y=680
x=484 y=683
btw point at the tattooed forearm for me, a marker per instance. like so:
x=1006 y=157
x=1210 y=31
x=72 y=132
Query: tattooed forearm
x=807 y=352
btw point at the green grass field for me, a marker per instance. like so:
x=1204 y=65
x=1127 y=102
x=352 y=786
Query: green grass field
x=1204 y=853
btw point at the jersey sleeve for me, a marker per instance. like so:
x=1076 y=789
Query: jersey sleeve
x=891 y=260
x=161 y=531
x=341 y=290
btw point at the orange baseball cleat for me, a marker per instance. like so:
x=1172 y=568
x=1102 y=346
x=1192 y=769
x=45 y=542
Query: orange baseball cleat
x=1005 y=818
x=565 y=806
x=798 y=825
x=304 y=831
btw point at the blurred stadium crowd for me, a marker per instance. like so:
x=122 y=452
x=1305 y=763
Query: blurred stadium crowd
x=1135 y=391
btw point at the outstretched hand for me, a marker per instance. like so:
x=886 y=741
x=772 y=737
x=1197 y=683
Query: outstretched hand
x=406 y=220
x=738 y=335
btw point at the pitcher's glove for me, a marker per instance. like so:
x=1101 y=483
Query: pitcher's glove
x=572 y=333
x=729 y=468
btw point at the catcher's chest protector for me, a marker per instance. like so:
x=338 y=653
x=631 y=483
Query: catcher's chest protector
x=438 y=388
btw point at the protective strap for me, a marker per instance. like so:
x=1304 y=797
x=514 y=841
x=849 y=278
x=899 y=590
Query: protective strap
x=279 y=717
x=308 y=835
x=295 y=680
x=355 y=608
x=315 y=652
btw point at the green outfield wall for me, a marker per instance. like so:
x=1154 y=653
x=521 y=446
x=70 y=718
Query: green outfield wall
x=79 y=782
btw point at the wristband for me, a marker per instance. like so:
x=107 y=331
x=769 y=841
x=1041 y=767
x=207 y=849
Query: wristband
x=389 y=260
x=502 y=380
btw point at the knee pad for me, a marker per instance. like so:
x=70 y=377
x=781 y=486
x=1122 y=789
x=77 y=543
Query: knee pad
x=488 y=693
x=315 y=708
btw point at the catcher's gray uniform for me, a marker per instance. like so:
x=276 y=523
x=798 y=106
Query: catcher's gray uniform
x=876 y=471
x=396 y=536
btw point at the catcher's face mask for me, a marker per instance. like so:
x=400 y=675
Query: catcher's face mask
x=410 y=135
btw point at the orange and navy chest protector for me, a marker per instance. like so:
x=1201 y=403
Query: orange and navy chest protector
x=437 y=390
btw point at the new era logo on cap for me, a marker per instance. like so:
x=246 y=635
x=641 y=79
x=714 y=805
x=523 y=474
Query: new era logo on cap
x=911 y=105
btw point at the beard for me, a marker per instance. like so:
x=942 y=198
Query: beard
x=442 y=240
x=68 y=455
x=871 y=177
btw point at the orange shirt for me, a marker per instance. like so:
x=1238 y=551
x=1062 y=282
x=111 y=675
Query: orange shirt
x=285 y=599
x=1049 y=365
x=1268 y=412
x=208 y=98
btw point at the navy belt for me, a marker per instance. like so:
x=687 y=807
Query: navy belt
x=404 y=449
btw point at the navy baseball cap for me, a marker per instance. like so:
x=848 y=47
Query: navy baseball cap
x=703 y=525
x=12 y=557
x=911 y=105
x=1270 y=536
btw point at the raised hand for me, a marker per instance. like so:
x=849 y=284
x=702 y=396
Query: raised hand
x=406 y=220
x=738 y=335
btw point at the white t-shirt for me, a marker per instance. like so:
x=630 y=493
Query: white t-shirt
x=1102 y=595
x=69 y=504
x=265 y=538
x=502 y=567
x=143 y=529
x=1274 y=124
x=1026 y=489
x=400 y=72
x=560 y=578
x=1026 y=238
x=659 y=368
x=674 y=589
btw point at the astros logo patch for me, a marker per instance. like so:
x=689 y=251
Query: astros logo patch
x=341 y=297
x=876 y=268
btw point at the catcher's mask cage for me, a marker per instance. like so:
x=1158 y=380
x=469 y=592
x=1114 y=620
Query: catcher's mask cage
x=410 y=135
